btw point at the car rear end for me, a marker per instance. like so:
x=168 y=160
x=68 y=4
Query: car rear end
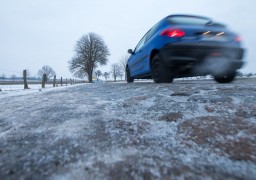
x=195 y=45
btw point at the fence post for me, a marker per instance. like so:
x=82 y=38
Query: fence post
x=54 y=81
x=44 y=80
x=61 y=81
x=25 y=79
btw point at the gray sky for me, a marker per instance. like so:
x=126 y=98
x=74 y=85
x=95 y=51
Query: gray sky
x=34 y=33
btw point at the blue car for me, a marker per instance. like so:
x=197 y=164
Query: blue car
x=186 y=46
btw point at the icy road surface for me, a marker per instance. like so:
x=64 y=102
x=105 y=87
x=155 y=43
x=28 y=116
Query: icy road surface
x=185 y=130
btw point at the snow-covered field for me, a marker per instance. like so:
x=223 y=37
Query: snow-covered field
x=13 y=90
x=184 y=130
x=20 y=87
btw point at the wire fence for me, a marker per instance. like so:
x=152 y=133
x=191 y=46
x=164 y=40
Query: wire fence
x=26 y=81
x=17 y=81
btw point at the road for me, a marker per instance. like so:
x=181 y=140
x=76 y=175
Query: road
x=195 y=129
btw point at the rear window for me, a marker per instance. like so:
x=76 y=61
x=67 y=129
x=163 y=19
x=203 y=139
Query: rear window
x=188 y=20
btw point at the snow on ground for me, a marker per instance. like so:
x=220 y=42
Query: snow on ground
x=14 y=90
x=185 y=130
x=20 y=87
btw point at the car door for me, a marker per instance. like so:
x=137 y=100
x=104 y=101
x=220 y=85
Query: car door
x=136 y=63
x=140 y=61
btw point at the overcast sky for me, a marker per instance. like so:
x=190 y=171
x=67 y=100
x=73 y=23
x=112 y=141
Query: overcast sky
x=34 y=33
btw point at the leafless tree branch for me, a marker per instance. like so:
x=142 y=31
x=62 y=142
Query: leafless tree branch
x=46 y=70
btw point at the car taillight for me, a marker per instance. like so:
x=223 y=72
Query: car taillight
x=174 y=33
x=238 y=39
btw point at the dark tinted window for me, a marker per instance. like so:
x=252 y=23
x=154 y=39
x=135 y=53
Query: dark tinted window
x=188 y=20
x=152 y=31
x=141 y=43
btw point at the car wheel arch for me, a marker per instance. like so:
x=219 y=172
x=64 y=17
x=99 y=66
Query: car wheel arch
x=153 y=53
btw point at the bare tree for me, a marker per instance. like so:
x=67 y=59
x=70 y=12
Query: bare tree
x=116 y=70
x=123 y=63
x=80 y=74
x=249 y=75
x=121 y=76
x=3 y=76
x=46 y=70
x=13 y=77
x=91 y=51
x=240 y=74
x=106 y=75
x=98 y=73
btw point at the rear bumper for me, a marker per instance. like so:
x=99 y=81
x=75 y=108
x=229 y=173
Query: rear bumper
x=178 y=55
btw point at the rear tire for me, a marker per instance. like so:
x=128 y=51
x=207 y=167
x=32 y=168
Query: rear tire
x=129 y=78
x=226 y=78
x=160 y=72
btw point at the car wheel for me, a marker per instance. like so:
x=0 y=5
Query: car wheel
x=226 y=78
x=128 y=76
x=160 y=72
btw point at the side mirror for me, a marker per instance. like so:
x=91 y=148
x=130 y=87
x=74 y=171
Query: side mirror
x=130 y=51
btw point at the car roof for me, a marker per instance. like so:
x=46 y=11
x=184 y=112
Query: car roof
x=186 y=15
